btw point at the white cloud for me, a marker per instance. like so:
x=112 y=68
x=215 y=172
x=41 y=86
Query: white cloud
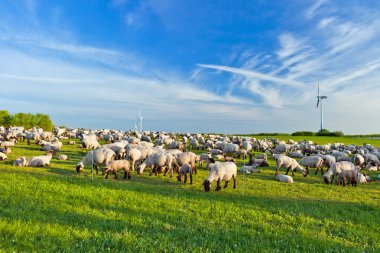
x=313 y=10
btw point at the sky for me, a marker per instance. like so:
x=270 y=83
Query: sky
x=222 y=66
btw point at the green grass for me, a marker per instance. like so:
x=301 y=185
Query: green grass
x=54 y=209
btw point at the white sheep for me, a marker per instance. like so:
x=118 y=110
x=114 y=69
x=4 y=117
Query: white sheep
x=312 y=162
x=184 y=170
x=283 y=161
x=284 y=178
x=40 y=161
x=335 y=169
x=62 y=157
x=20 y=162
x=249 y=169
x=96 y=157
x=220 y=172
x=3 y=156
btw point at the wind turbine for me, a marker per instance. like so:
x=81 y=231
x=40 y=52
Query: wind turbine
x=140 y=118
x=319 y=101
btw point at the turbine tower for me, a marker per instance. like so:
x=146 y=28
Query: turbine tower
x=319 y=101
x=141 y=119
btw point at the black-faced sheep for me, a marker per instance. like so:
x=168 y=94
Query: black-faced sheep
x=184 y=170
x=220 y=172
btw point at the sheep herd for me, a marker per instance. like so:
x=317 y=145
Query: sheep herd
x=161 y=152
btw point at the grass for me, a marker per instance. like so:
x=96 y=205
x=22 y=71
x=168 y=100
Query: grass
x=53 y=209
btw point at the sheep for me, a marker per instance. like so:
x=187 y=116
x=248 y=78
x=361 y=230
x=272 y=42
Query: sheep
x=215 y=151
x=363 y=178
x=96 y=157
x=312 y=162
x=370 y=158
x=62 y=157
x=187 y=158
x=262 y=156
x=204 y=157
x=72 y=143
x=228 y=159
x=115 y=166
x=40 y=161
x=220 y=171
x=328 y=160
x=260 y=162
x=358 y=160
x=295 y=154
x=283 y=161
x=372 y=166
x=3 y=156
x=347 y=175
x=6 y=150
x=133 y=155
x=284 y=178
x=21 y=162
x=335 y=169
x=89 y=142
x=184 y=170
x=249 y=169
x=157 y=161
x=230 y=149
x=7 y=144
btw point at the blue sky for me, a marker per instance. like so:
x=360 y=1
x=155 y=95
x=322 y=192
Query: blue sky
x=193 y=66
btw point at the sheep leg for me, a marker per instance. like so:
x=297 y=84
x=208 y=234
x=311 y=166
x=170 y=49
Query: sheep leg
x=218 y=188
x=185 y=178
x=107 y=175
x=307 y=169
x=125 y=174
x=115 y=173
x=234 y=178
x=151 y=171
x=225 y=184
x=96 y=168
x=287 y=171
x=191 y=178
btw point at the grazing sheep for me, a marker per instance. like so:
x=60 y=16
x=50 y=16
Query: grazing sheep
x=284 y=178
x=96 y=157
x=187 y=158
x=260 y=162
x=347 y=175
x=312 y=162
x=62 y=157
x=372 y=166
x=358 y=160
x=184 y=170
x=115 y=166
x=370 y=158
x=204 y=157
x=218 y=172
x=363 y=178
x=335 y=169
x=20 y=162
x=283 y=161
x=3 y=157
x=157 y=162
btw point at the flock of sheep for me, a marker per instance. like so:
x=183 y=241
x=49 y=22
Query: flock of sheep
x=161 y=152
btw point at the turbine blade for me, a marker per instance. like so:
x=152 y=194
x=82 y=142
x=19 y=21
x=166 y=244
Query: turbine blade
x=318 y=89
x=317 y=102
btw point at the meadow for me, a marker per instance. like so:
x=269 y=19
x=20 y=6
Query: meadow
x=54 y=209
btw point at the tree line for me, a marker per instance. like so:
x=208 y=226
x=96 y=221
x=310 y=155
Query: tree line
x=27 y=120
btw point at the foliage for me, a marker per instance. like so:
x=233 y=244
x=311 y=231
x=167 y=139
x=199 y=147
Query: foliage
x=303 y=133
x=325 y=132
x=27 y=120
x=54 y=209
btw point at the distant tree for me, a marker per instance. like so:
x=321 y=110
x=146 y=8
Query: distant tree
x=4 y=118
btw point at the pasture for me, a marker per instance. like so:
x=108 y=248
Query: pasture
x=54 y=209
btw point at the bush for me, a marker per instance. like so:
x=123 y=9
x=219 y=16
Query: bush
x=325 y=132
x=303 y=133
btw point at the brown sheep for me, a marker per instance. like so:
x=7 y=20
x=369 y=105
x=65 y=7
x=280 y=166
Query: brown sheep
x=117 y=165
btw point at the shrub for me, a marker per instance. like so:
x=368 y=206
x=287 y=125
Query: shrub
x=303 y=133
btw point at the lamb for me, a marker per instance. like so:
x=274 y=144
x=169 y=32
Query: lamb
x=184 y=170
x=20 y=162
x=347 y=175
x=283 y=161
x=312 y=162
x=249 y=169
x=284 y=178
x=220 y=171
x=115 y=166
x=187 y=158
x=335 y=169
x=40 y=161
x=3 y=156
x=96 y=157
x=62 y=157
x=72 y=143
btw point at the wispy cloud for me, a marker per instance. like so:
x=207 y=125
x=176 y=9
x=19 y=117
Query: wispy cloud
x=313 y=10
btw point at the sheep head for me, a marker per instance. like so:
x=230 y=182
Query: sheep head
x=207 y=185
x=79 y=167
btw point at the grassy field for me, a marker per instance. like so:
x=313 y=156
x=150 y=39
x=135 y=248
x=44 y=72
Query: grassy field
x=55 y=210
